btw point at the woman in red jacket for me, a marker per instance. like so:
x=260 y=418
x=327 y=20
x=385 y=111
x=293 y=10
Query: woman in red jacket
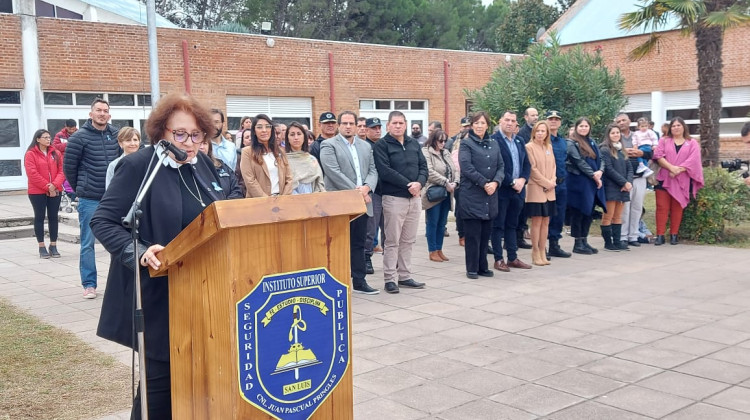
x=44 y=171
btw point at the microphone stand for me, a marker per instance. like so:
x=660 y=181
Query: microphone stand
x=131 y=221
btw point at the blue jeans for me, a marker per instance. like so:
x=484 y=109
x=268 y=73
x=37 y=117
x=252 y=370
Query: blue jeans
x=504 y=226
x=556 y=222
x=87 y=263
x=435 y=219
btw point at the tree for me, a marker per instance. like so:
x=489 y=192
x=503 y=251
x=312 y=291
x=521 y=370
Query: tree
x=523 y=20
x=706 y=20
x=574 y=82
x=198 y=14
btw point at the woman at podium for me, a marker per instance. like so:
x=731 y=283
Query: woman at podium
x=180 y=191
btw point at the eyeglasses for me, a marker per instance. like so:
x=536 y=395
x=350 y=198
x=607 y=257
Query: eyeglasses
x=181 y=136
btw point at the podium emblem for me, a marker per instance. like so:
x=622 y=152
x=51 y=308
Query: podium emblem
x=293 y=338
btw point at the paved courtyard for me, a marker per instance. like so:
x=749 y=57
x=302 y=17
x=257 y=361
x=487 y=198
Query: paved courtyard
x=657 y=332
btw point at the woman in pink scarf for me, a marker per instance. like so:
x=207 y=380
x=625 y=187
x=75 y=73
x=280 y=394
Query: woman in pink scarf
x=681 y=175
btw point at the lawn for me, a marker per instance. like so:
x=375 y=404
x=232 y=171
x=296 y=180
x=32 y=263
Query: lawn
x=49 y=373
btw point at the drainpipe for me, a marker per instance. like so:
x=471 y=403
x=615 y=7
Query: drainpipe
x=186 y=65
x=331 y=82
x=445 y=95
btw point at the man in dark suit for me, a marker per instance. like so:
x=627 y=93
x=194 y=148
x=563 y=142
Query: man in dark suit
x=510 y=194
x=348 y=164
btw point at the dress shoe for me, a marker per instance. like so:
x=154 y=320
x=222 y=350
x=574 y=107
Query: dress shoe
x=486 y=273
x=522 y=244
x=591 y=248
x=500 y=265
x=472 y=275
x=391 y=287
x=369 y=269
x=446 y=234
x=490 y=250
x=461 y=242
x=623 y=245
x=364 y=288
x=435 y=257
x=518 y=264
x=634 y=243
x=441 y=255
x=659 y=240
x=643 y=240
x=410 y=283
x=673 y=240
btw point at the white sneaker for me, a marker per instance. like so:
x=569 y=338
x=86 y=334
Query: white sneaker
x=89 y=293
x=641 y=168
x=648 y=172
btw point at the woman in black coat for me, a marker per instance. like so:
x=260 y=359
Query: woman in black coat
x=584 y=182
x=618 y=181
x=482 y=171
x=178 y=194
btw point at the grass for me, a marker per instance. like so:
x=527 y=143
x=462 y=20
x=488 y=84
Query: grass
x=48 y=373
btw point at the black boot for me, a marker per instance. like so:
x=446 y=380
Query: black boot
x=556 y=251
x=53 y=251
x=368 y=265
x=616 y=232
x=580 y=247
x=607 y=235
x=659 y=240
x=673 y=240
x=591 y=248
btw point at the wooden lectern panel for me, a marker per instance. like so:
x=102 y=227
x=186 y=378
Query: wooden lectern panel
x=226 y=261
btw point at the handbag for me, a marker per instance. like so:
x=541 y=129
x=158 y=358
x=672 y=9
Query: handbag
x=436 y=193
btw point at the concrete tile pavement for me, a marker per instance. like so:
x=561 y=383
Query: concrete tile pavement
x=656 y=332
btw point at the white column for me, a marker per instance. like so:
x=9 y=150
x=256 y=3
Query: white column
x=658 y=113
x=32 y=101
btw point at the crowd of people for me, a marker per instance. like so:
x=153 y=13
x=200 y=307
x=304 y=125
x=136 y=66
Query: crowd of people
x=496 y=183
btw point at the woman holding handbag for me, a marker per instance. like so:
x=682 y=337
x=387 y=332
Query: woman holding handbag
x=44 y=170
x=438 y=191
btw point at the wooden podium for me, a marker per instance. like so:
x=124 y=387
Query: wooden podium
x=218 y=260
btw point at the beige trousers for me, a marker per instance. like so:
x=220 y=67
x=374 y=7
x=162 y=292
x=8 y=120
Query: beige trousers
x=401 y=220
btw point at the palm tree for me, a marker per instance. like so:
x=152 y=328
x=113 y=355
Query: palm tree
x=706 y=20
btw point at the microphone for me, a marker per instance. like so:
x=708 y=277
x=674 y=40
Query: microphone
x=179 y=155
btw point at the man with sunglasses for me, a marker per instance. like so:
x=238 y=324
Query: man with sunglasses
x=87 y=156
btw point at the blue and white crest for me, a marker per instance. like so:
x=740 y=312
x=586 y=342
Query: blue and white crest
x=293 y=338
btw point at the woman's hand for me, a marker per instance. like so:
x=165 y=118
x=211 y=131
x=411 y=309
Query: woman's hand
x=149 y=259
x=676 y=170
x=627 y=187
x=598 y=183
x=598 y=176
x=490 y=187
x=450 y=187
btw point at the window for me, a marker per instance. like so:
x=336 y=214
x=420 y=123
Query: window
x=86 y=99
x=401 y=105
x=6 y=6
x=10 y=168
x=735 y=112
x=81 y=122
x=382 y=104
x=122 y=123
x=686 y=114
x=144 y=100
x=121 y=100
x=144 y=138
x=45 y=9
x=233 y=123
x=366 y=105
x=56 y=98
x=417 y=104
x=10 y=97
x=638 y=114
x=54 y=126
x=469 y=105
x=9 y=133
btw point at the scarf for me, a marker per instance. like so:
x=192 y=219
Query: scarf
x=689 y=158
x=305 y=168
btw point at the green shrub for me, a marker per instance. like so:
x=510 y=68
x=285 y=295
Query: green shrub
x=725 y=200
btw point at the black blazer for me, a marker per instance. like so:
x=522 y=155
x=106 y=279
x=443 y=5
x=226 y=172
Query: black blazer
x=505 y=189
x=160 y=223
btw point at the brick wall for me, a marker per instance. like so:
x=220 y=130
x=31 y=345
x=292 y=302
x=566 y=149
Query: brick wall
x=86 y=56
x=11 y=63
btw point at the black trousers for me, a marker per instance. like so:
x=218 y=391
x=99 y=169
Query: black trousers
x=357 y=235
x=579 y=223
x=159 y=390
x=459 y=219
x=477 y=236
x=45 y=205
